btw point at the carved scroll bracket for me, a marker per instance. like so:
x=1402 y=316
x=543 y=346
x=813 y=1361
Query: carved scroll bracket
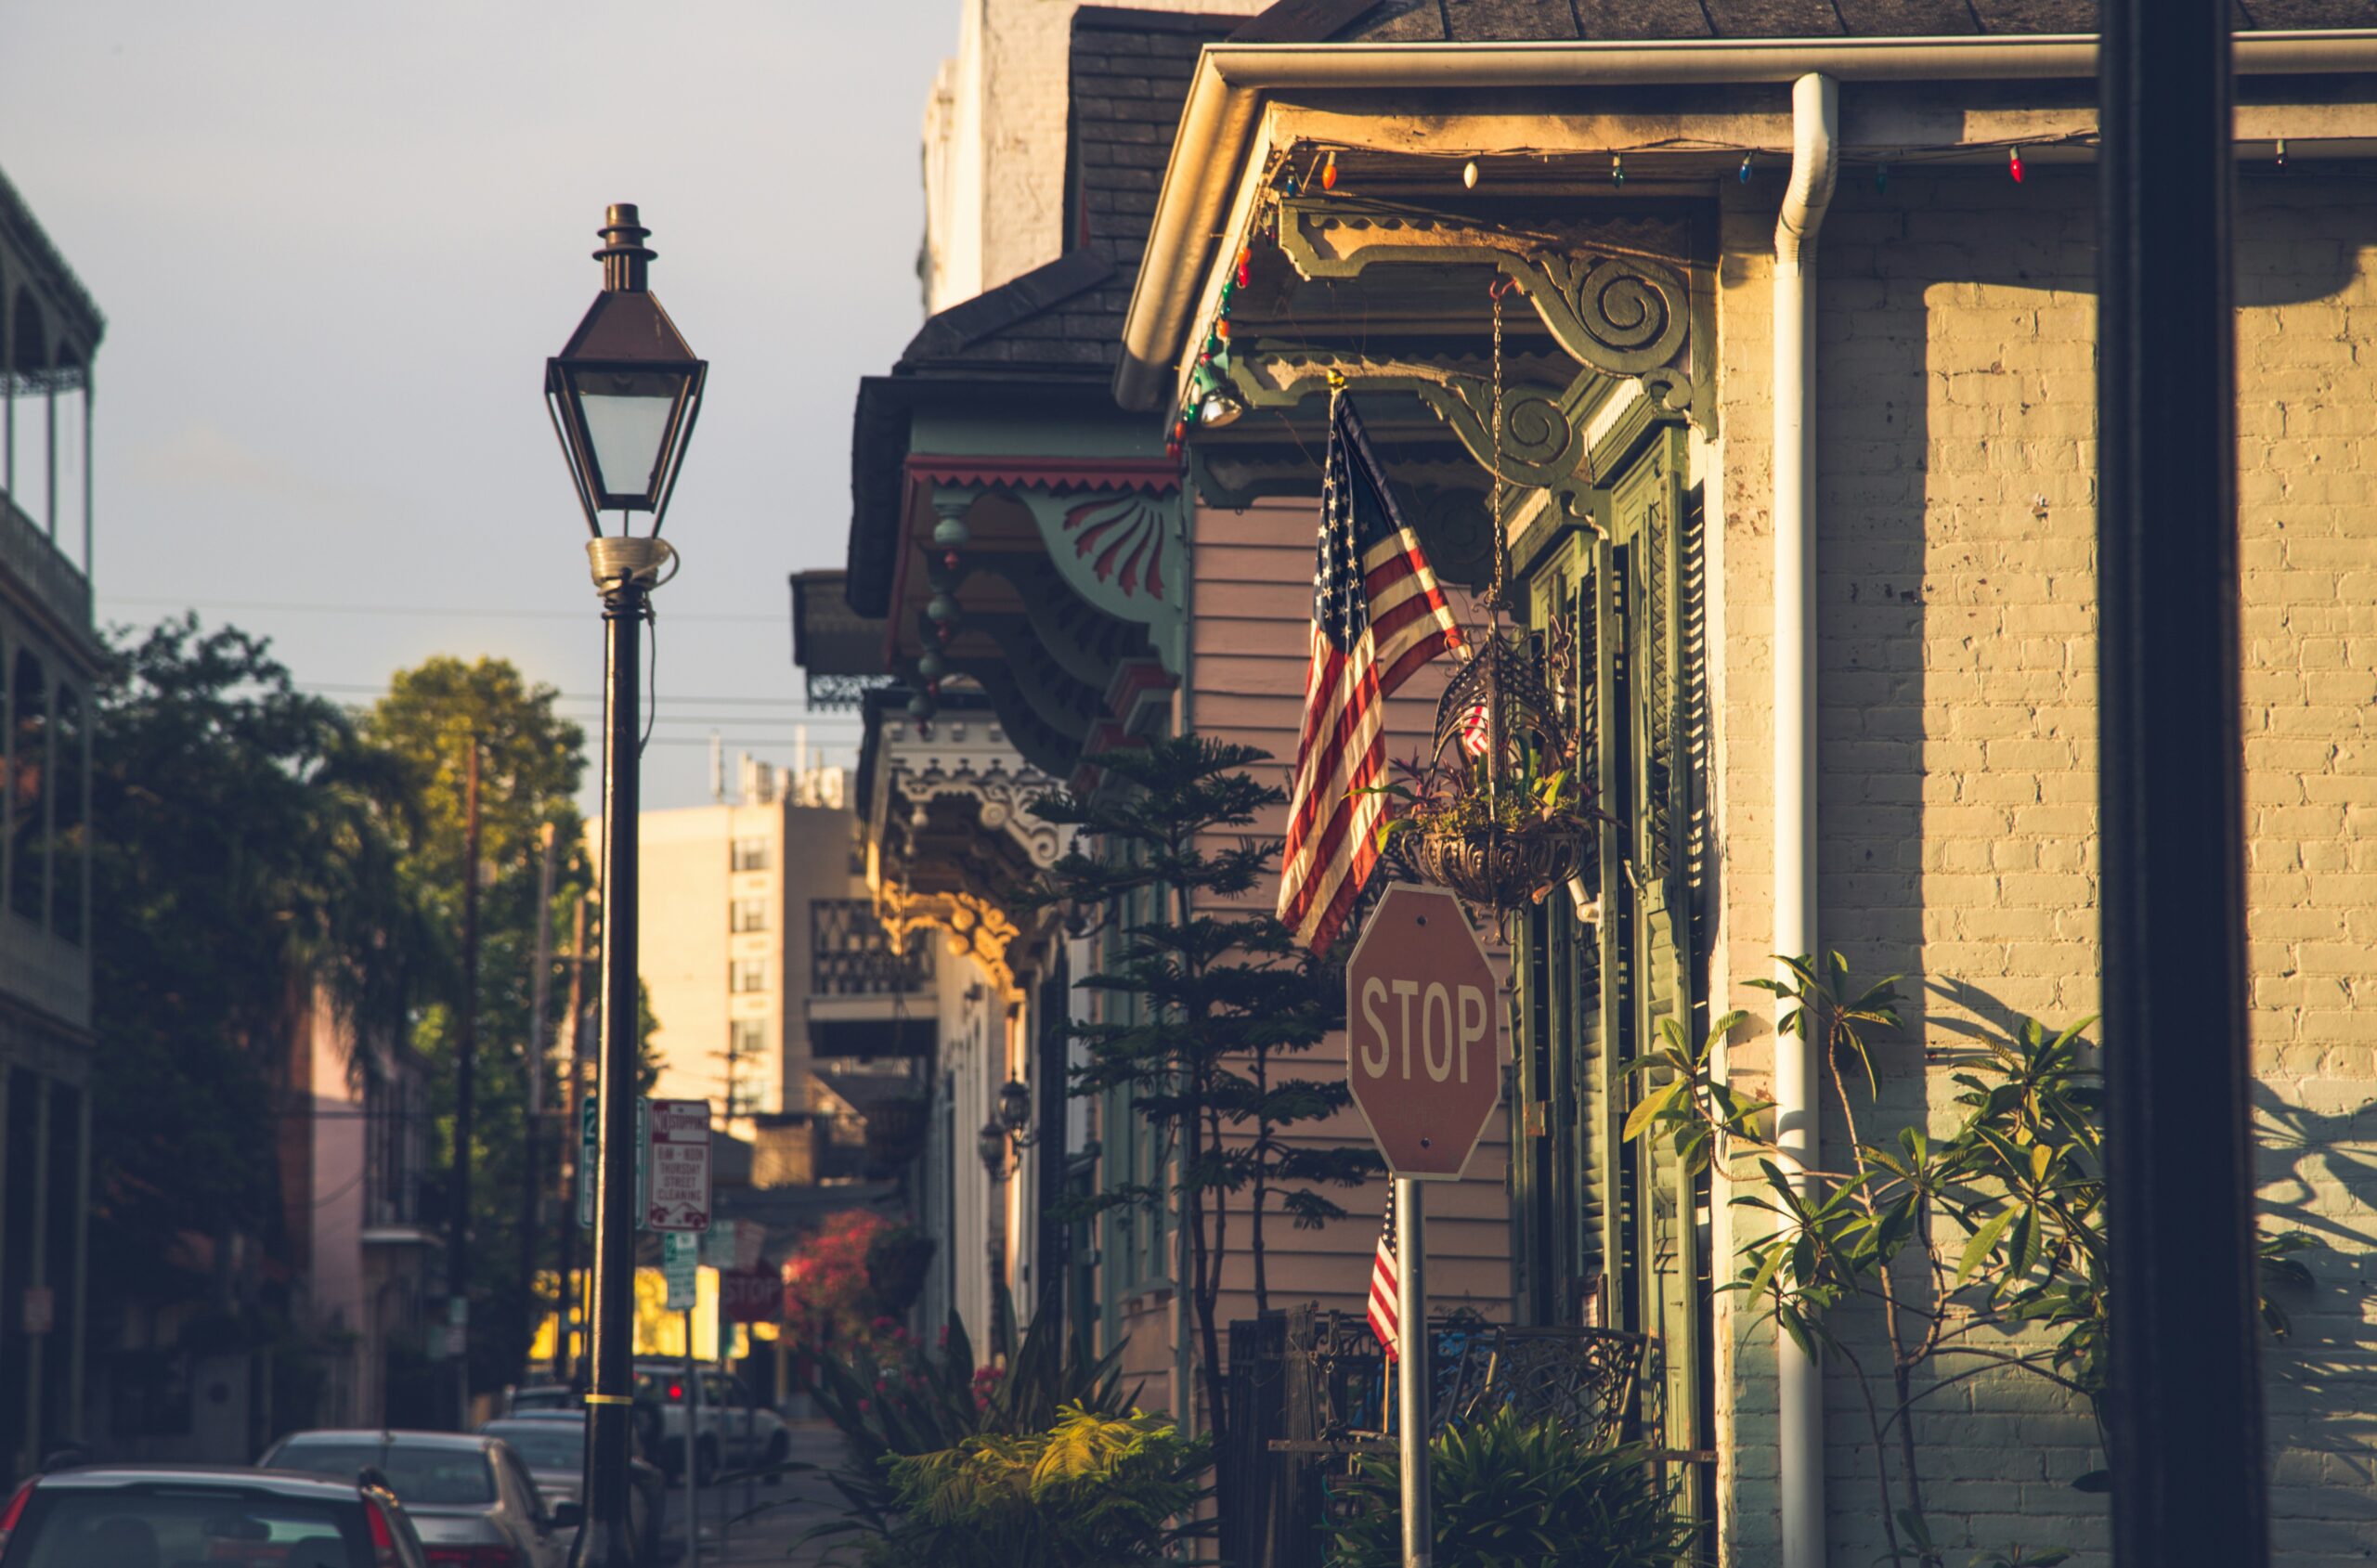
x=1609 y=291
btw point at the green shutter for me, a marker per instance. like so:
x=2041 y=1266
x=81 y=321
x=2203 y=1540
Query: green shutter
x=1662 y=1265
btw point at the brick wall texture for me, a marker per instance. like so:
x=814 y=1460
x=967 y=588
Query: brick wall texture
x=1958 y=788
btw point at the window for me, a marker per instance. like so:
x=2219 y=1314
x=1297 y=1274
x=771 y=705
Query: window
x=748 y=914
x=746 y=975
x=747 y=1037
x=750 y=854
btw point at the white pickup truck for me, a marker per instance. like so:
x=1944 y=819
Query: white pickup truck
x=735 y=1431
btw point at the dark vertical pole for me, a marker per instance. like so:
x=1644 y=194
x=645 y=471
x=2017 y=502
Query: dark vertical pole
x=2185 y=1407
x=1053 y=1263
x=466 y=1053
x=607 y=1541
x=535 y=1062
x=574 y=1088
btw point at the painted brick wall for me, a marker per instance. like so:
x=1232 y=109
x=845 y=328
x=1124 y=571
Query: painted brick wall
x=1959 y=814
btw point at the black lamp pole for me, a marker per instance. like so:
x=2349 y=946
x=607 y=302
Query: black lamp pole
x=606 y=1541
x=623 y=396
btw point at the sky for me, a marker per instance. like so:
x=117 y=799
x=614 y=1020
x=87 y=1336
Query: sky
x=336 y=243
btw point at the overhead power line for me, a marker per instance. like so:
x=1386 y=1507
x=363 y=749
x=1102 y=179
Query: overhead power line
x=429 y=611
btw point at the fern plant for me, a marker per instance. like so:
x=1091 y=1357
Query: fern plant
x=1092 y=1491
x=1514 y=1494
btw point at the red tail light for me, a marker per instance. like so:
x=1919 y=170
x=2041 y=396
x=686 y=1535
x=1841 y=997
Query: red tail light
x=384 y=1535
x=14 y=1512
x=676 y=1393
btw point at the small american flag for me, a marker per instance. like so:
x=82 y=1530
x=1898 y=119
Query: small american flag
x=1386 y=1303
x=1377 y=616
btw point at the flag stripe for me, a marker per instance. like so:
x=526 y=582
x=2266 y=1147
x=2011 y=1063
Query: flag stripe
x=1386 y=1294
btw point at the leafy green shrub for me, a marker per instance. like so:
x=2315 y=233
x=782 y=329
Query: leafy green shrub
x=1513 y=1493
x=1092 y=1491
x=900 y=1402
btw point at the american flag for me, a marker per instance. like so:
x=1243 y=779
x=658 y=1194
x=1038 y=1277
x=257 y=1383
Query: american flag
x=1377 y=616
x=1386 y=1302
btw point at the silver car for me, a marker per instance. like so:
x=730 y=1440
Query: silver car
x=471 y=1498
x=553 y=1444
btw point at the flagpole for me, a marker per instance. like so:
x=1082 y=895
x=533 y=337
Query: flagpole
x=1411 y=1373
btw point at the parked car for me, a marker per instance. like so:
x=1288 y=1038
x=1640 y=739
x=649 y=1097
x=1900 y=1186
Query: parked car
x=470 y=1497
x=553 y=1444
x=738 y=1432
x=161 y=1516
x=529 y=1397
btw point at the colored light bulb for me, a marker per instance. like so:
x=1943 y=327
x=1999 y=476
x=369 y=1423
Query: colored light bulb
x=1745 y=162
x=1617 y=169
x=1328 y=172
x=2014 y=164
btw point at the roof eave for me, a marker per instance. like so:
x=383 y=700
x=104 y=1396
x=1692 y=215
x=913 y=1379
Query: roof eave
x=1232 y=82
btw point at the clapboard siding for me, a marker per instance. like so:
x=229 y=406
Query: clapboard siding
x=1250 y=642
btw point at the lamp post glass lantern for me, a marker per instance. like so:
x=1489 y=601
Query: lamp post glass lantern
x=1015 y=1105
x=623 y=395
x=991 y=1144
x=625 y=391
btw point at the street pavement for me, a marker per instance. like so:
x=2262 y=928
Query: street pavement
x=784 y=1512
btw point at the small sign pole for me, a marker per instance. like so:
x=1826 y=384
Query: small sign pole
x=693 y=1446
x=1411 y=1370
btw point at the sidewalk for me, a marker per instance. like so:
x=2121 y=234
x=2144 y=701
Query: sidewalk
x=785 y=1511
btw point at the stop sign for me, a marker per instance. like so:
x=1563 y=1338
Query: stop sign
x=1424 y=1033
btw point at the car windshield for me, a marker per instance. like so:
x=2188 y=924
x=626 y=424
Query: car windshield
x=421 y=1474
x=544 y=1445
x=167 y=1526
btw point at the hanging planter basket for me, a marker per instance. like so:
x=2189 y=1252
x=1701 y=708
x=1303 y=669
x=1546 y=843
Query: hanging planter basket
x=1500 y=739
x=1497 y=867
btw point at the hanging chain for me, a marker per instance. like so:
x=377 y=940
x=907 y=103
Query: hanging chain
x=1494 y=600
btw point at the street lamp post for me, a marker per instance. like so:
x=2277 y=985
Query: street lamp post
x=623 y=395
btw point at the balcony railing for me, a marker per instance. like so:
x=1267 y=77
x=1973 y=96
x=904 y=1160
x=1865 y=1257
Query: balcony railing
x=851 y=955
x=27 y=554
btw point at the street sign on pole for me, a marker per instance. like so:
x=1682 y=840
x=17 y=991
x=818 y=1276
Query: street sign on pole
x=1423 y=1060
x=588 y=1120
x=1423 y=1053
x=679 y=1195
x=681 y=1258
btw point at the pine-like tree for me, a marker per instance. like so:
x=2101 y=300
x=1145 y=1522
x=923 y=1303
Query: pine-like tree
x=1212 y=995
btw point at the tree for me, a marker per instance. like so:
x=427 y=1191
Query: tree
x=530 y=763
x=2015 y=1282
x=245 y=857
x=1210 y=998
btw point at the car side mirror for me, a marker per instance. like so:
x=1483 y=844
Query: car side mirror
x=568 y=1515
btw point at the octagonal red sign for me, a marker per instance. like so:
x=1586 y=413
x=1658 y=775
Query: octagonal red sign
x=1423 y=1035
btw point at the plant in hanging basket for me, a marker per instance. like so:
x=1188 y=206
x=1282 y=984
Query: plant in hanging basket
x=1498 y=812
x=1499 y=842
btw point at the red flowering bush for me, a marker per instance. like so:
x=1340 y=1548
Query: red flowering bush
x=829 y=1303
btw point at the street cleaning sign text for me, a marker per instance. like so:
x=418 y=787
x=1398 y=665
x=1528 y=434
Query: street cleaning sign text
x=678 y=1198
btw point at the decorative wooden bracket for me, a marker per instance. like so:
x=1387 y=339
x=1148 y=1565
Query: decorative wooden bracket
x=1609 y=290
x=1542 y=444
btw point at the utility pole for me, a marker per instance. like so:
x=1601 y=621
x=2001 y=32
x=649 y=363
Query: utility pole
x=534 y=1061
x=466 y=1048
x=574 y=1093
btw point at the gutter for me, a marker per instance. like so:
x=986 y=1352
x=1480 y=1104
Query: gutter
x=1233 y=81
x=1798 y=1084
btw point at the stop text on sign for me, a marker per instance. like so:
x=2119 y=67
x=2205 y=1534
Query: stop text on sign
x=1423 y=1037
x=1449 y=1021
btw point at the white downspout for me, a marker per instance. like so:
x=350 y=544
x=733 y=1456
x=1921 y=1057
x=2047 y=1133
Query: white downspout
x=1815 y=110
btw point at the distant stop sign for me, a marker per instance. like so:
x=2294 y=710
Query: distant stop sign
x=1422 y=1033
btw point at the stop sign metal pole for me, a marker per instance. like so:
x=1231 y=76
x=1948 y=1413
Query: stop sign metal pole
x=1423 y=1064
x=1412 y=1369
